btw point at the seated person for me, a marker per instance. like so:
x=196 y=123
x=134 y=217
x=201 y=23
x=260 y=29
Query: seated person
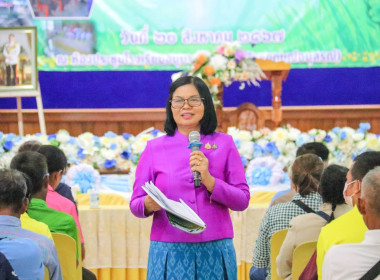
x=305 y=175
x=56 y=161
x=353 y=261
x=350 y=227
x=14 y=202
x=62 y=188
x=32 y=224
x=25 y=257
x=305 y=228
x=315 y=148
x=34 y=165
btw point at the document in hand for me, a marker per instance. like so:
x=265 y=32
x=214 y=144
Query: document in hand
x=180 y=215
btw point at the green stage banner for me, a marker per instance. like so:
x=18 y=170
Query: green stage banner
x=165 y=34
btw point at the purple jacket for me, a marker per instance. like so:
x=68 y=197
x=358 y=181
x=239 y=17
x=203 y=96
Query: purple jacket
x=165 y=162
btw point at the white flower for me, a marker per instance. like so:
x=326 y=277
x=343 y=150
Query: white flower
x=231 y=64
x=219 y=62
x=290 y=149
x=372 y=141
x=86 y=137
x=361 y=145
x=107 y=154
x=358 y=136
x=175 y=76
x=312 y=132
x=5 y=159
x=279 y=134
x=320 y=136
x=350 y=131
x=63 y=136
x=293 y=134
x=233 y=131
x=246 y=149
x=256 y=134
x=90 y=150
x=244 y=135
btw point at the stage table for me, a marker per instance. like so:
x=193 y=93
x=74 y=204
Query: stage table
x=117 y=243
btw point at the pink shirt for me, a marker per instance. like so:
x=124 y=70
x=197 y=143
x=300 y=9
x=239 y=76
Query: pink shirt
x=165 y=162
x=56 y=201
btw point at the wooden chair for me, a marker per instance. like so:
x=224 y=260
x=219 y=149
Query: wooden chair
x=275 y=246
x=301 y=257
x=66 y=249
x=104 y=199
x=246 y=117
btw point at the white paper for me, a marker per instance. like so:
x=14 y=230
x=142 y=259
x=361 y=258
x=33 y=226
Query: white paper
x=179 y=209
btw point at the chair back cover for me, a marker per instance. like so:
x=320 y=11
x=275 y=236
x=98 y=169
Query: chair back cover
x=301 y=257
x=275 y=246
x=66 y=249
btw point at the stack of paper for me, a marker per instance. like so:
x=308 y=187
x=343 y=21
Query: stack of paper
x=180 y=215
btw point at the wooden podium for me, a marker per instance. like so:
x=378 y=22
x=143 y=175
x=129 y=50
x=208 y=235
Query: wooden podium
x=276 y=72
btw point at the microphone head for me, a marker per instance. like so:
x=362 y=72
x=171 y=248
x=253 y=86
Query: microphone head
x=194 y=136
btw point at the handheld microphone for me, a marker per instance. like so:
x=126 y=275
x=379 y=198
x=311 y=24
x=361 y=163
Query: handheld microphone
x=195 y=144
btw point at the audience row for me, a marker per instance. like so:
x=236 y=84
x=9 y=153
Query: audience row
x=332 y=205
x=31 y=209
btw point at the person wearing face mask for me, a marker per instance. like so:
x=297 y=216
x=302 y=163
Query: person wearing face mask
x=168 y=163
x=353 y=261
x=350 y=227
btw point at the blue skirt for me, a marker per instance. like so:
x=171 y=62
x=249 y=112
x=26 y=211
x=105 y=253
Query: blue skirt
x=213 y=260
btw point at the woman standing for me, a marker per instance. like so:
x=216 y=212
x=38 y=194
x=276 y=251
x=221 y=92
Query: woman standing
x=168 y=163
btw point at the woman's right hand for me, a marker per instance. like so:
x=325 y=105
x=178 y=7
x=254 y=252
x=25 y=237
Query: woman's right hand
x=150 y=206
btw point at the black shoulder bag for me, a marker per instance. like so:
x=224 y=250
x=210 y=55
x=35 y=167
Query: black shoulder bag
x=372 y=273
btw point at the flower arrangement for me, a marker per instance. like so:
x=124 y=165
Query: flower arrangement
x=227 y=64
x=121 y=152
x=282 y=143
x=110 y=151
x=82 y=177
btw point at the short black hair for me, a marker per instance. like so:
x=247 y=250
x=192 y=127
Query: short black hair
x=332 y=184
x=31 y=145
x=56 y=159
x=32 y=164
x=209 y=122
x=13 y=189
x=363 y=163
x=316 y=148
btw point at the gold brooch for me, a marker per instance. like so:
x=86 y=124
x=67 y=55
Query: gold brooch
x=214 y=146
x=208 y=146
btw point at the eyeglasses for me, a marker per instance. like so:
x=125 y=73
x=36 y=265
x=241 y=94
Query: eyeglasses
x=178 y=103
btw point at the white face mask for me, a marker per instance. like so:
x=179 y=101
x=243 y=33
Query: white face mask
x=348 y=198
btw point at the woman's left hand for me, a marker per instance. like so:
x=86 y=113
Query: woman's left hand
x=199 y=162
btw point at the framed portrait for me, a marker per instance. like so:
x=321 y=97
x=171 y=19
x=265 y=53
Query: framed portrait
x=18 y=59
